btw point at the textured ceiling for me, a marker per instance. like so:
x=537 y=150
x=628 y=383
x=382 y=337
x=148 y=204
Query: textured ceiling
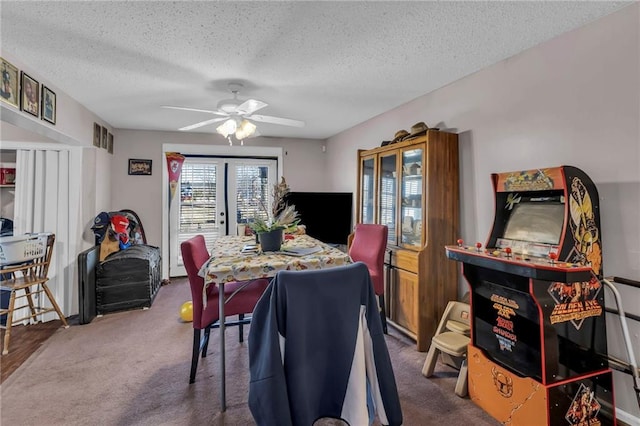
x=330 y=64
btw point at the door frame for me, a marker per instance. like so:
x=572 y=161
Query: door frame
x=212 y=150
x=69 y=241
x=226 y=169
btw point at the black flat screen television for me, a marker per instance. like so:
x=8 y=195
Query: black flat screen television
x=327 y=215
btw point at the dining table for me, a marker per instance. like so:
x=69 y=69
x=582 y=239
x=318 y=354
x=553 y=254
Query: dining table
x=228 y=262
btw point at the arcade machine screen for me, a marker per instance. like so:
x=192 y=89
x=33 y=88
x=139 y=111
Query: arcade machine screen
x=536 y=222
x=533 y=227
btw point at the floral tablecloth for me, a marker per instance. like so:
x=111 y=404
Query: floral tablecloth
x=228 y=264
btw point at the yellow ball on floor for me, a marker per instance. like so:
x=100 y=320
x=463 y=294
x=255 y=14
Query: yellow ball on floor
x=186 y=311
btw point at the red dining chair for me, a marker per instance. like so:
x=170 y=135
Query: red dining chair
x=194 y=255
x=368 y=246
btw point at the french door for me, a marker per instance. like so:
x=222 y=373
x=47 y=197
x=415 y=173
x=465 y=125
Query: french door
x=214 y=195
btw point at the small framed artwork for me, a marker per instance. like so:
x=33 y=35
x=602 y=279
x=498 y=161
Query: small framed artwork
x=139 y=167
x=97 y=134
x=48 y=105
x=110 y=143
x=104 y=138
x=30 y=95
x=10 y=83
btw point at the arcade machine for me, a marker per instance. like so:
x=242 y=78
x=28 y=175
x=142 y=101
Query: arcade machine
x=538 y=351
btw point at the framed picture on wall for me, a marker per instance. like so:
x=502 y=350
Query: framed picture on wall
x=9 y=91
x=30 y=95
x=110 y=143
x=139 y=167
x=97 y=134
x=104 y=137
x=48 y=105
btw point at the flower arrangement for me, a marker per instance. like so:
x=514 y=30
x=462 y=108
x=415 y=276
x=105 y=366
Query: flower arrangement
x=281 y=216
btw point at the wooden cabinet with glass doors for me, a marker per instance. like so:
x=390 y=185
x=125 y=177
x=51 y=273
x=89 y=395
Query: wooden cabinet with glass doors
x=413 y=188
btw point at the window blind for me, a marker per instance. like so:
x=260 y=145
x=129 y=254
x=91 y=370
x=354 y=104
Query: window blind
x=252 y=192
x=198 y=198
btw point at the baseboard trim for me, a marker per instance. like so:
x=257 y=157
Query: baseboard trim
x=626 y=419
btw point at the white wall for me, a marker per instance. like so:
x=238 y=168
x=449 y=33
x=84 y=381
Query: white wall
x=74 y=122
x=574 y=100
x=304 y=169
x=73 y=127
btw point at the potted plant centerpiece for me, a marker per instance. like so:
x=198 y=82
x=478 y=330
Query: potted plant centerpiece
x=282 y=216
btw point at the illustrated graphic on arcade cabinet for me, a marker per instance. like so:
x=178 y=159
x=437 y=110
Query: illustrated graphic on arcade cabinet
x=529 y=180
x=502 y=382
x=512 y=199
x=584 y=409
x=575 y=301
x=584 y=228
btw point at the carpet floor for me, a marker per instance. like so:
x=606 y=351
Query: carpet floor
x=132 y=368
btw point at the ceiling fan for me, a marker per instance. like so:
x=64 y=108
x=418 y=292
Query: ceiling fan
x=237 y=116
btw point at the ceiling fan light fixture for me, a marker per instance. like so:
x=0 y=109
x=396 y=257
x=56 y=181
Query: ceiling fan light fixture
x=240 y=129
x=227 y=128
x=245 y=130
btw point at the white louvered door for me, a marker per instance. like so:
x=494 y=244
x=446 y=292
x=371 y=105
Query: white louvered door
x=216 y=194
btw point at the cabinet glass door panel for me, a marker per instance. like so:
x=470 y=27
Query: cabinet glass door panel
x=367 y=188
x=388 y=185
x=411 y=198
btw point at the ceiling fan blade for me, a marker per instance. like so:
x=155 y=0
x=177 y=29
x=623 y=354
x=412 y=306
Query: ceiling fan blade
x=196 y=109
x=250 y=106
x=277 y=120
x=202 y=123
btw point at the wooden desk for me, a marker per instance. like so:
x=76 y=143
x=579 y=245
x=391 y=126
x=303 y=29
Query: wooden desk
x=228 y=264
